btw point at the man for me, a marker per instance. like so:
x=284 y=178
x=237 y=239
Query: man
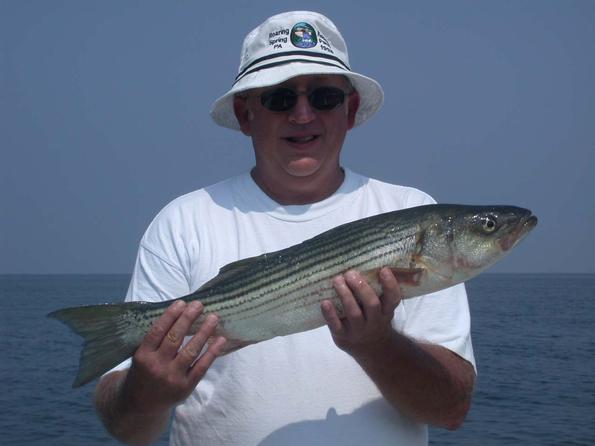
x=398 y=365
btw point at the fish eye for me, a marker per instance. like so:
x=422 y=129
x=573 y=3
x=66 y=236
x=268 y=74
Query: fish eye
x=489 y=223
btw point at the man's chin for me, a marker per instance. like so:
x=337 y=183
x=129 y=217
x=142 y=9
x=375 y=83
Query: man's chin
x=303 y=168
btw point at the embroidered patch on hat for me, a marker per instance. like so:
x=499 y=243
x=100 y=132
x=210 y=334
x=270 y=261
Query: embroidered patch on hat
x=303 y=35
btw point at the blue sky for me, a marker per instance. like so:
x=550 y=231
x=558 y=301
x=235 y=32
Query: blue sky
x=104 y=116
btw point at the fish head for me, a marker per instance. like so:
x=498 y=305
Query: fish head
x=461 y=241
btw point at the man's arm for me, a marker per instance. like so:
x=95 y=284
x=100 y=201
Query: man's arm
x=426 y=382
x=135 y=404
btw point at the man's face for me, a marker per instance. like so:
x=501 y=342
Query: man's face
x=302 y=141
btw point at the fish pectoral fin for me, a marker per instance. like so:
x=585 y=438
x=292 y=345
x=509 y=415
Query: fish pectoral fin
x=408 y=276
x=405 y=276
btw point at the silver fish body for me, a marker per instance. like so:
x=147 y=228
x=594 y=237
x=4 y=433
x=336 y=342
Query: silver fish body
x=429 y=248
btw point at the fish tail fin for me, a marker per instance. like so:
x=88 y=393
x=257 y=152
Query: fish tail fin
x=107 y=337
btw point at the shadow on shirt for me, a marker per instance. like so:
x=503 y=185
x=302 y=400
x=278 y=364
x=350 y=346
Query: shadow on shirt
x=371 y=424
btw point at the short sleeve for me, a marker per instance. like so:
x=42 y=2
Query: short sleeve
x=441 y=318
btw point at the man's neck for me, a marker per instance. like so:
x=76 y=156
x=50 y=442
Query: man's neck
x=299 y=190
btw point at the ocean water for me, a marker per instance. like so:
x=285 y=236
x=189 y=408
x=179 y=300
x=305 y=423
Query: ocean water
x=533 y=337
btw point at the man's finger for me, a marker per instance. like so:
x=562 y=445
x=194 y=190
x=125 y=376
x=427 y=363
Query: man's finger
x=200 y=367
x=329 y=312
x=366 y=296
x=351 y=307
x=175 y=335
x=192 y=349
x=158 y=331
x=391 y=291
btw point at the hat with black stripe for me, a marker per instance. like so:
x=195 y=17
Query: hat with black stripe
x=294 y=44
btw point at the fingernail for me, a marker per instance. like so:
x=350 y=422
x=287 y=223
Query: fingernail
x=195 y=305
x=351 y=275
x=338 y=280
x=220 y=342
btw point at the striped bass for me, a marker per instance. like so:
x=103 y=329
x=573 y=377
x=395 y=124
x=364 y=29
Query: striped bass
x=428 y=248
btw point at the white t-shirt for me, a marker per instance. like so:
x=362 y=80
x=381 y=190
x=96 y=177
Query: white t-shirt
x=298 y=389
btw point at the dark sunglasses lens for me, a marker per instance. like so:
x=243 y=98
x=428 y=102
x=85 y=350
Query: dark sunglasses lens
x=327 y=98
x=281 y=99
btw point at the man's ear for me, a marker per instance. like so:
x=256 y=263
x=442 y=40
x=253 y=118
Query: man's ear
x=240 y=108
x=353 y=106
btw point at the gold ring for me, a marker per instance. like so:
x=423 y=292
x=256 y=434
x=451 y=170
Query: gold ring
x=171 y=337
x=191 y=352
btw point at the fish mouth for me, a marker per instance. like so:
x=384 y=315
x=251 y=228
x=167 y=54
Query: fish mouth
x=530 y=223
x=523 y=227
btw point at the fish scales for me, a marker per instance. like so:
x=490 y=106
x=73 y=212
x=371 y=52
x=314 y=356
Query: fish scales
x=320 y=288
x=325 y=253
x=282 y=288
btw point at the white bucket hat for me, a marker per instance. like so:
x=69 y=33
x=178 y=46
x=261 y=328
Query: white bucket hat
x=289 y=45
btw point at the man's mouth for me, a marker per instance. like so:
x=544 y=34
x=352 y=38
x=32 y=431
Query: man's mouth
x=301 y=139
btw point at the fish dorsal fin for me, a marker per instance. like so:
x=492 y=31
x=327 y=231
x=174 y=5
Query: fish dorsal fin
x=233 y=268
x=239 y=265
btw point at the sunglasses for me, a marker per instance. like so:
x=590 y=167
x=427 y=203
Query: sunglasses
x=284 y=99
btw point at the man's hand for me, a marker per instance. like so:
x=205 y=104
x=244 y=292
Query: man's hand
x=161 y=374
x=135 y=405
x=427 y=382
x=367 y=316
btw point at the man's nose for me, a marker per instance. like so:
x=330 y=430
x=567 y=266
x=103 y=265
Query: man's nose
x=302 y=112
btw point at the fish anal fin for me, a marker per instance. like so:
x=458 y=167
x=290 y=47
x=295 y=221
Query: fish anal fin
x=231 y=345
